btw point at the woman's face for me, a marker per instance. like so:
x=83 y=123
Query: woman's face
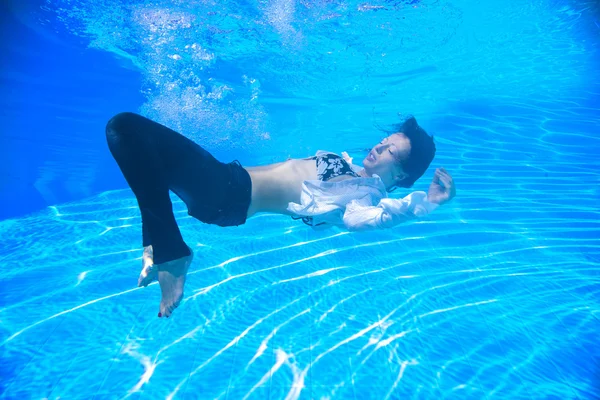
x=384 y=159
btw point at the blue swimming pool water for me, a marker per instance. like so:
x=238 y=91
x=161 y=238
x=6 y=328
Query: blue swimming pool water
x=495 y=295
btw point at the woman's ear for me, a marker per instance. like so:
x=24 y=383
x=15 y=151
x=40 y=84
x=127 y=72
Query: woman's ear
x=400 y=178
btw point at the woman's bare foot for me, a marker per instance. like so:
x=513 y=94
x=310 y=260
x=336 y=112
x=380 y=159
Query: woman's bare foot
x=171 y=277
x=149 y=270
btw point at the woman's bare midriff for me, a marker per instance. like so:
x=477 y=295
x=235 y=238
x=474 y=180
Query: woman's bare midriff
x=276 y=185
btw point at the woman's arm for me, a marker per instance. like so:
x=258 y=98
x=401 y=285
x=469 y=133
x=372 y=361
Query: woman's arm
x=391 y=212
x=388 y=213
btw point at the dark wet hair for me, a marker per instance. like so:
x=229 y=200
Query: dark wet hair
x=422 y=150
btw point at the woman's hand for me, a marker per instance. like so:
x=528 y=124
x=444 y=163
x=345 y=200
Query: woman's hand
x=442 y=188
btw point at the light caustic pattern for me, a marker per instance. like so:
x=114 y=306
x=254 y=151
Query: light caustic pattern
x=453 y=306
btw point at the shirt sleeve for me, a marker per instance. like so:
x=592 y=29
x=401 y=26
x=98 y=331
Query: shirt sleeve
x=360 y=216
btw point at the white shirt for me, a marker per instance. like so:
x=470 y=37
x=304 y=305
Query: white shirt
x=359 y=204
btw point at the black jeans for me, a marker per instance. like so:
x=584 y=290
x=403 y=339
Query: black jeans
x=155 y=159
